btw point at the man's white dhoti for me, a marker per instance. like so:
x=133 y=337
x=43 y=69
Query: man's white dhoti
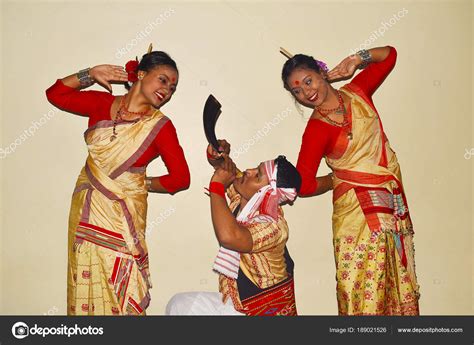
x=200 y=303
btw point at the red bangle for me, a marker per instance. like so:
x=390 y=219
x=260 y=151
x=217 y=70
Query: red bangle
x=208 y=155
x=217 y=188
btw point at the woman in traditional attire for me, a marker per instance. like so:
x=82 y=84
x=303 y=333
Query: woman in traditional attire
x=372 y=229
x=108 y=271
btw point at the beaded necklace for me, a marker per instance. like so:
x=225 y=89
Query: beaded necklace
x=122 y=110
x=340 y=109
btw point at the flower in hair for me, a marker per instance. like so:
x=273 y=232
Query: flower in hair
x=132 y=69
x=322 y=66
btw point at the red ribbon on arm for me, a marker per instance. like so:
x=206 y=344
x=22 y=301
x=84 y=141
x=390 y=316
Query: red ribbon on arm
x=217 y=188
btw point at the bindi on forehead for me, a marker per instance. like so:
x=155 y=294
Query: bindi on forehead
x=173 y=79
x=297 y=82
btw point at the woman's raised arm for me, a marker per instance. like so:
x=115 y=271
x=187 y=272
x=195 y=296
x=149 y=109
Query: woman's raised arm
x=382 y=62
x=66 y=95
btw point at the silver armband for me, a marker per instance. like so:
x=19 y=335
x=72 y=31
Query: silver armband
x=84 y=77
x=366 y=58
x=148 y=183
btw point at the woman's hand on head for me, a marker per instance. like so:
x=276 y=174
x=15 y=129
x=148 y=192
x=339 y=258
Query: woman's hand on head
x=104 y=75
x=226 y=172
x=345 y=69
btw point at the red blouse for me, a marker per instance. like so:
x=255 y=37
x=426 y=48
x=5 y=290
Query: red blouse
x=96 y=105
x=322 y=139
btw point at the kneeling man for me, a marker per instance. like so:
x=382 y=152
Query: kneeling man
x=254 y=266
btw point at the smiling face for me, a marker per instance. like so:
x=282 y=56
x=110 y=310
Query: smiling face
x=251 y=181
x=308 y=87
x=159 y=84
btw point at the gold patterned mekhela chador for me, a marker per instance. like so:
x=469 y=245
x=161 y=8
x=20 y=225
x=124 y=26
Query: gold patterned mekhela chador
x=108 y=271
x=372 y=229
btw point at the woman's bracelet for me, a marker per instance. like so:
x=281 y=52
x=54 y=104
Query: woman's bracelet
x=84 y=77
x=148 y=184
x=366 y=58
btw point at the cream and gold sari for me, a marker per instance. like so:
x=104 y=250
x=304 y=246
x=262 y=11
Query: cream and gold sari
x=108 y=270
x=373 y=233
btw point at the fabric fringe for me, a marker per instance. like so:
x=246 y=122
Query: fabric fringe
x=409 y=248
x=77 y=247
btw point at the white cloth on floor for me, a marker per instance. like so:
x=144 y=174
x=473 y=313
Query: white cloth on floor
x=200 y=303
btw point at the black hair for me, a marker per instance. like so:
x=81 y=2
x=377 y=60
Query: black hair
x=298 y=61
x=287 y=175
x=153 y=60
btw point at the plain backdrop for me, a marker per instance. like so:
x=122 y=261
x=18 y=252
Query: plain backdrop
x=231 y=49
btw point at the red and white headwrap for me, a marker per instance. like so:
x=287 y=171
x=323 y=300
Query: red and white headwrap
x=261 y=208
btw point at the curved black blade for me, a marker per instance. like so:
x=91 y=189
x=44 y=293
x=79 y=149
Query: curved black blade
x=212 y=110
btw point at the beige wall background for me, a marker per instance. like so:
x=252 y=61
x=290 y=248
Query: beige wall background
x=230 y=49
